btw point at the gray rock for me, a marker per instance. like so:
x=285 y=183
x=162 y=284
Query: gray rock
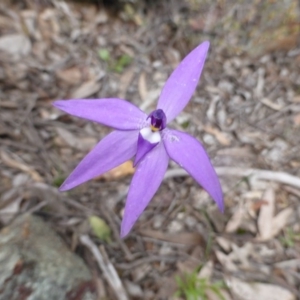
x=35 y=264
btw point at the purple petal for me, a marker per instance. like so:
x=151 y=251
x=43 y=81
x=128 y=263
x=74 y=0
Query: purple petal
x=182 y=83
x=113 y=150
x=145 y=182
x=143 y=147
x=115 y=113
x=191 y=155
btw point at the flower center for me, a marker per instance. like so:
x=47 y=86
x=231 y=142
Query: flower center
x=158 y=120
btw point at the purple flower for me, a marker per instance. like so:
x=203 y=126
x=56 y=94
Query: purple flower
x=147 y=138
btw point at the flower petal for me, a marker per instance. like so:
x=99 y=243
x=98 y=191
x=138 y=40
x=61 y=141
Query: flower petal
x=182 y=83
x=112 y=112
x=145 y=182
x=191 y=155
x=143 y=147
x=113 y=150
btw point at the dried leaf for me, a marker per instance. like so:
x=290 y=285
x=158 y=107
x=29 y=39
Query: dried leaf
x=185 y=238
x=236 y=220
x=121 y=171
x=172 y=56
x=207 y=270
x=226 y=261
x=293 y=264
x=242 y=254
x=188 y=265
x=213 y=296
x=268 y=225
x=265 y=218
x=87 y=89
x=125 y=82
x=78 y=143
x=71 y=76
x=134 y=290
x=296 y=120
x=15 y=44
x=167 y=287
x=223 y=138
x=259 y=291
x=224 y=243
x=256 y=206
x=8 y=104
x=281 y=220
x=8 y=212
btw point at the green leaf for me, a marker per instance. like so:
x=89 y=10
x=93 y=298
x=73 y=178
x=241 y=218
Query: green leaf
x=217 y=291
x=122 y=63
x=193 y=288
x=185 y=124
x=100 y=229
x=58 y=180
x=104 y=54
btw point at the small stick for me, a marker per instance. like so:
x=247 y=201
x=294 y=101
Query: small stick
x=107 y=213
x=106 y=267
x=257 y=174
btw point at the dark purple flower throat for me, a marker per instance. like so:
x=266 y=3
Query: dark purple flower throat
x=158 y=120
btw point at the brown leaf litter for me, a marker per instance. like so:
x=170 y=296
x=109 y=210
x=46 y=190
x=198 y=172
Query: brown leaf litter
x=245 y=111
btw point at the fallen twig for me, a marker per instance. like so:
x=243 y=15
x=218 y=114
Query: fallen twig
x=106 y=267
x=149 y=260
x=255 y=174
x=112 y=224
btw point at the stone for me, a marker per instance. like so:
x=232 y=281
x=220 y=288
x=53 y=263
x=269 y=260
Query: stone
x=36 y=264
